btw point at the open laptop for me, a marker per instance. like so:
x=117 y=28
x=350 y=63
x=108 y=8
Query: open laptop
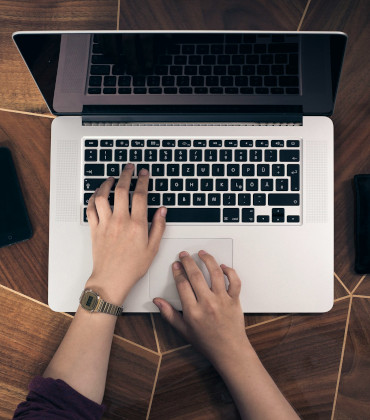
x=234 y=129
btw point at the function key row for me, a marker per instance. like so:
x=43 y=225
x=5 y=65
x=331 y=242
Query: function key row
x=191 y=143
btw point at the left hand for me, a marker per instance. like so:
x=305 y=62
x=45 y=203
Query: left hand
x=121 y=246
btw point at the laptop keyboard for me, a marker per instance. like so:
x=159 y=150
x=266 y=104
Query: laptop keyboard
x=220 y=181
x=217 y=64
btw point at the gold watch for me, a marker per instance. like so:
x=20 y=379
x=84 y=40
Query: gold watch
x=92 y=302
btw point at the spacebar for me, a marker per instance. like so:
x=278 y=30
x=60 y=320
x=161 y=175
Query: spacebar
x=203 y=215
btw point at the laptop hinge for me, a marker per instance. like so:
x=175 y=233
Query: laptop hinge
x=192 y=119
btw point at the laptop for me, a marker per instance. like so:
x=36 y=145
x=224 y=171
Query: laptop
x=234 y=129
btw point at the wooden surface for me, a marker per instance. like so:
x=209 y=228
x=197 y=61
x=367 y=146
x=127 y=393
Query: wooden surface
x=321 y=363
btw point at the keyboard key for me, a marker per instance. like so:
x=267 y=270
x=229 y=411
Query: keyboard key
x=251 y=184
x=153 y=143
x=122 y=143
x=230 y=215
x=124 y=80
x=248 y=215
x=155 y=91
x=232 y=170
x=158 y=170
x=188 y=170
x=278 y=170
x=200 y=143
x=263 y=170
x=91 y=184
x=259 y=199
x=218 y=170
x=248 y=169
x=293 y=172
x=289 y=155
x=173 y=170
x=203 y=169
x=199 y=200
x=225 y=155
x=191 y=184
x=263 y=219
x=183 y=199
x=168 y=143
x=292 y=143
x=91 y=143
x=283 y=199
x=154 y=199
x=87 y=198
x=240 y=155
x=192 y=215
x=277 y=219
x=125 y=91
x=214 y=199
x=285 y=81
x=106 y=143
x=99 y=70
x=161 y=184
x=150 y=155
x=141 y=166
x=136 y=155
x=255 y=155
x=231 y=143
x=105 y=155
x=281 y=185
x=109 y=91
x=210 y=155
x=222 y=184
x=196 y=155
x=169 y=199
x=215 y=143
x=165 y=155
x=270 y=155
x=246 y=143
x=112 y=170
x=262 y=143
x=177 y=185
x=91 y=155
x=95 y=81
x=229 y=199
x=267 y=184
x=293 y=219
x=244 y=199
x=277 y=143
x=120 y=155
x=110 y=81
x=94 y=91
x=94 y=170
x=137 y=143
x=206 y=184
x=236 y=184
x=181 y=155
x=184 y=143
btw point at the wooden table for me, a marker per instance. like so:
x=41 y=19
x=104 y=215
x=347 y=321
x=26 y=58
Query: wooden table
x=320 y=362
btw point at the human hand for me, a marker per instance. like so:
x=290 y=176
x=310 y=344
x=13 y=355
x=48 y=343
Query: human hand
x=212 y=318
x=121 y=246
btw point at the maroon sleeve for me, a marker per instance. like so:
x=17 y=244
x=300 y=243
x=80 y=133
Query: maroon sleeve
x=54 y=399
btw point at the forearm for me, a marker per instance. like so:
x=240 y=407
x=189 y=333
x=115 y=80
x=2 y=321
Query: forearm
x=254 y=392
x=82 y=357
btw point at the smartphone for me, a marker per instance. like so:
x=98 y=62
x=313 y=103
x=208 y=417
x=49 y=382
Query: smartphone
x=15 y=224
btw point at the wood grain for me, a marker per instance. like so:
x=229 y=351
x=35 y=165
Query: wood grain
x=353 y=401
x=352 y=148
x=302 y=354
x=211 y=14
x=17 y=89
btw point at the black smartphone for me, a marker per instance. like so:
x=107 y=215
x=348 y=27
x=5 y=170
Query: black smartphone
x=15 y=224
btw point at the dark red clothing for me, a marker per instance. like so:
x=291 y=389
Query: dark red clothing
x=53 y=399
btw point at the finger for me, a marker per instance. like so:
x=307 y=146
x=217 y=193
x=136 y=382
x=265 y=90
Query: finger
x=235 y=283
x=215 y=272
x=195 y=276
x=139 y=205
x=101 y=199
x=183 y=286
x=92 y=215
x=170 y=314
x=121 y=193
x=157 y=229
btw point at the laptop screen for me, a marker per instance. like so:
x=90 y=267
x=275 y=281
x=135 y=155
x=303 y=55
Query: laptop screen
x=179 y=72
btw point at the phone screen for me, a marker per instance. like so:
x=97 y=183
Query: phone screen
x=14 y=222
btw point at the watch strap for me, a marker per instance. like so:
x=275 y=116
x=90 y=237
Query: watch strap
x=108 y=308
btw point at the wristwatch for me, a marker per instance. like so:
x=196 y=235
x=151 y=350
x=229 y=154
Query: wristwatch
x=92 y=302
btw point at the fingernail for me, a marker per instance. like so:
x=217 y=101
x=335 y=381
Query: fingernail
x=183 y=254
x=223 y=266
x=202 y=252
x=158 y=304
x=129 y=165
x=176 y=265
x=163 y=211
x=144 y=172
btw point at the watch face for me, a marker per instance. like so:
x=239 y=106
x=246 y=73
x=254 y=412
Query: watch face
x=89 y=300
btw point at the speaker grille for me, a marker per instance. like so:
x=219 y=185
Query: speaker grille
x=316 y=177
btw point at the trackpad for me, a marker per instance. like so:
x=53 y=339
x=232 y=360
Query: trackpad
x=161 y=282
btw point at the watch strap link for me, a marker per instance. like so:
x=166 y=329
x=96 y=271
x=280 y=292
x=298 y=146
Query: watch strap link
x=108 y=308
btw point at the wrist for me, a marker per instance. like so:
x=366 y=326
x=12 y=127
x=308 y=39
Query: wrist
x=108 y=294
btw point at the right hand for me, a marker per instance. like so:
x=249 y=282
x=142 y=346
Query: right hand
x=212 y=318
